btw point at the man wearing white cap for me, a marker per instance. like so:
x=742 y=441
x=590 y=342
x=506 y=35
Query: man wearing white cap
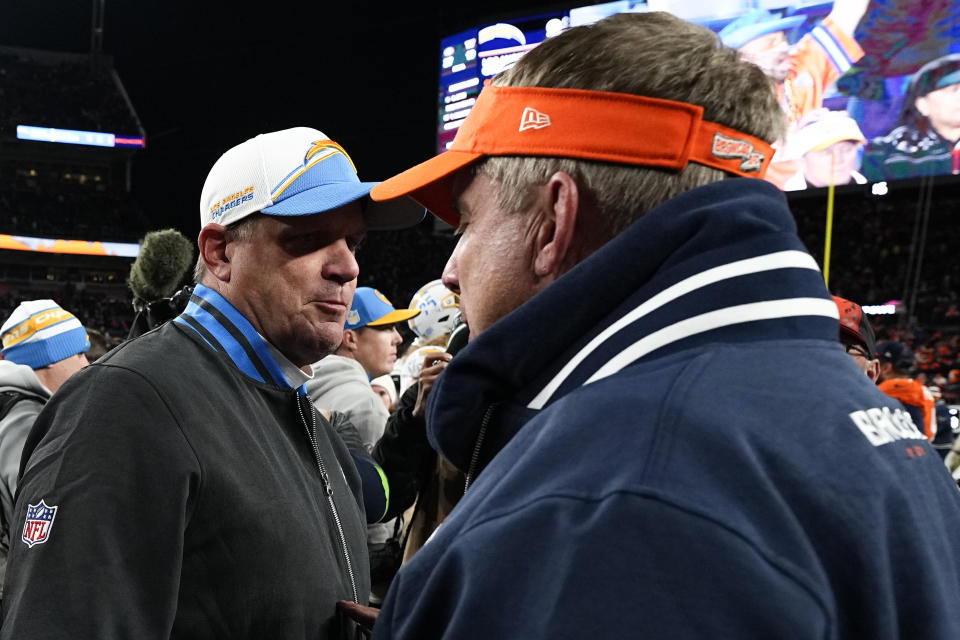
x=43 y=345
x=183 y=485
x=829 y=143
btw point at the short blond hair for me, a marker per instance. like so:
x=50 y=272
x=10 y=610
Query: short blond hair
x=649 y=54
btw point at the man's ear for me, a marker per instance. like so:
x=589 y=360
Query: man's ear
x=873 y=370
x=560 y=199
x=212 y=243
x=349 y=340
x=885 y=370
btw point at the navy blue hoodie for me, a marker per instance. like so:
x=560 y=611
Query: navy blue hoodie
x=669 y=442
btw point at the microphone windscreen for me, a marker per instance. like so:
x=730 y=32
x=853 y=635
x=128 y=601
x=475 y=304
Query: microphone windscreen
x=458 y=338
x=164 y=259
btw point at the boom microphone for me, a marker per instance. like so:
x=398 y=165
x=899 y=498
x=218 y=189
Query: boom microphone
x=458 y=337
x=165 y=256
x=159 y=279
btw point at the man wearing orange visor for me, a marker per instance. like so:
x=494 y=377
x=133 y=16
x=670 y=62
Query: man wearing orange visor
x=660 y=435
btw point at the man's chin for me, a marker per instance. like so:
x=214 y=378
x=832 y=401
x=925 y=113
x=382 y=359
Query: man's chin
x=778 y=75
x=326 y=341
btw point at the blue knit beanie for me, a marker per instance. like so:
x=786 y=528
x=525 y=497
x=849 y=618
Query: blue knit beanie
x=39 y=333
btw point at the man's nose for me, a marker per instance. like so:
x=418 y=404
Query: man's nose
x=449 y=277
x=341 y=264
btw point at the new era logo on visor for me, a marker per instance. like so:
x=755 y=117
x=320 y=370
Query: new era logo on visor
x=533 y=119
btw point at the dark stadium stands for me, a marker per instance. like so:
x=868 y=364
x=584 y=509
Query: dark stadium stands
x=877 y=244
x=67 y=91
x=65 y=199
x=65 y=190
x=873 y=258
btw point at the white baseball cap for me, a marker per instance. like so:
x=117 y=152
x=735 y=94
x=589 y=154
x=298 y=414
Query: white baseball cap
x=294 y=172
x=821 y=128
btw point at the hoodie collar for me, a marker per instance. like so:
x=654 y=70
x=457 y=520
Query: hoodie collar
x=721 y=263
x=226 y=330
x=22 y=378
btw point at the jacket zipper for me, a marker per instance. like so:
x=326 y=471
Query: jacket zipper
x=475 y=458
x=328 y=489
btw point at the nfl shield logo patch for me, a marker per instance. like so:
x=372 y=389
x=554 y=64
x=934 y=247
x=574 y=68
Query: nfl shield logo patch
x=39 y=522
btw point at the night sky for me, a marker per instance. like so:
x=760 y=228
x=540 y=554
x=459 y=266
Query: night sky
x=204 y=76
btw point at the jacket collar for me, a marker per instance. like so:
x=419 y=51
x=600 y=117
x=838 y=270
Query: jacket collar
x=226 y=330
x=721 y=263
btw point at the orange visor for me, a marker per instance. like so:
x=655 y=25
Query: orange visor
x=576 y=123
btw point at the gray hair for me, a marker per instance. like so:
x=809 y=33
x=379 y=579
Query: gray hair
x=649 y=54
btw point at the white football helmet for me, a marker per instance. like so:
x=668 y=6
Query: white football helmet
x=412 y=364
x=439 y=310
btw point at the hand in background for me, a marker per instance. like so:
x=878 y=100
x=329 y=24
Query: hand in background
x=433 y=366
x=364 y=616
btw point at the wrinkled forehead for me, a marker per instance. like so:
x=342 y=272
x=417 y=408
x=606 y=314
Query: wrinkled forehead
x=765 y=42
x=346 y=220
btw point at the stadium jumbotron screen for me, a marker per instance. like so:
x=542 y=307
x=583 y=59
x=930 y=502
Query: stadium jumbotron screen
x=871 y=91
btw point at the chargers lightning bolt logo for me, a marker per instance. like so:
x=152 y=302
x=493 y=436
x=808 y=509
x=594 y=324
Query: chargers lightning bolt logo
x=322 y=145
